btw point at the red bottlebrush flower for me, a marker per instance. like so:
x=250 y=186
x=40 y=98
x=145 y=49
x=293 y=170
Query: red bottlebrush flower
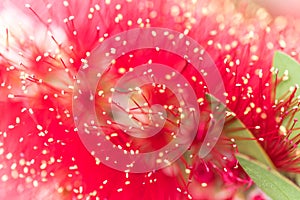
x=43 y=44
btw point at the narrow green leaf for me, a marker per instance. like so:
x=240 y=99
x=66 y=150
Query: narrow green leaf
x=284 y=62
x=269 y=180
x=244 y=139
x=247 y=145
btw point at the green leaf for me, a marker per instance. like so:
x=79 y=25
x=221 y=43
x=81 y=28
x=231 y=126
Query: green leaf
x=246 y=142
x=284 y=62
x=269 y=180
x=247 y=145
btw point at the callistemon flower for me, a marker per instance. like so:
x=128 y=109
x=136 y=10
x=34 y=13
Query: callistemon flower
x=45 y=43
